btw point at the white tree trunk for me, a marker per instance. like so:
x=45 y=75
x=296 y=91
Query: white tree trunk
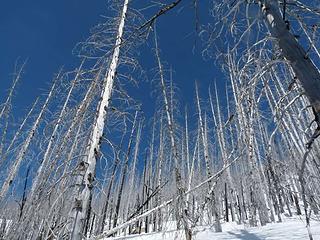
x=305 y=70
x=46 y=157
x=18 y=132
x=15 y=167
x=6 y=105
x=80 y=212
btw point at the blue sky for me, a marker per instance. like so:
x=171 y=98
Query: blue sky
x=45 y=32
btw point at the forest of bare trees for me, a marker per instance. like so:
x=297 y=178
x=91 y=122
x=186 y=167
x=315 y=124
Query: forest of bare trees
x=85 y=163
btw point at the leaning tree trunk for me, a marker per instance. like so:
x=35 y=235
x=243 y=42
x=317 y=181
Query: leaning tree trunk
x=23 y=150
x=18 y=133
x=82 y=202
x=39 y=178
x=6 y=104
x=305 y=70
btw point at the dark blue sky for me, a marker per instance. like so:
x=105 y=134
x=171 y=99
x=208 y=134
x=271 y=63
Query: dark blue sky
x=45 y=32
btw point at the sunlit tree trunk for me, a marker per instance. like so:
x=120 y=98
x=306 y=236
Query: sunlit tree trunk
x=39 y=178
x=23 y=150
x=7 y=103
x=82 y=202
x=302 y=65
x=17 y=133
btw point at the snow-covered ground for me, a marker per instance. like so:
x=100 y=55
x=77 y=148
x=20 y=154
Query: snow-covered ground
x=290 y=229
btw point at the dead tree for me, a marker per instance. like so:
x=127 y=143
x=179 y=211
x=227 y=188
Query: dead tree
x=82 y=201
x=20 y=155
x=181 y=205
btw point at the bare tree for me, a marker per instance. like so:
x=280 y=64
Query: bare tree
x=83 y=200
x=20 y=155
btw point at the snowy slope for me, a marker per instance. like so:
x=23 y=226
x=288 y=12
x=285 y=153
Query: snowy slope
x=290 y=229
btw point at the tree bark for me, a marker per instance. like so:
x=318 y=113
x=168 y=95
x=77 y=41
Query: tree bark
x=305 y=70
x=80 y=212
